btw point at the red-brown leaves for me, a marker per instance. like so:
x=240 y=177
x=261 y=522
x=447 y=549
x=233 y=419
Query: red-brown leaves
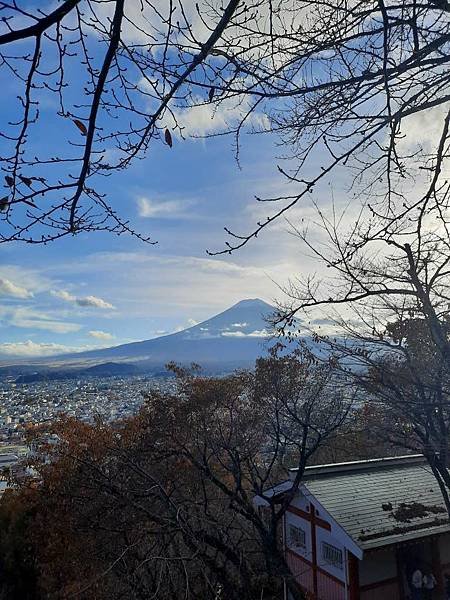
x=168 y=138
x=81 y=126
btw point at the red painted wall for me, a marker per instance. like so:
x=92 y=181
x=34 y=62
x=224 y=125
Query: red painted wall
x=327 y=588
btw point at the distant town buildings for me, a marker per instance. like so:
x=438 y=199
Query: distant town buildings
x=112 y=398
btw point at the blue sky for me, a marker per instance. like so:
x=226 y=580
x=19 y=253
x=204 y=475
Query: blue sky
x=97 y=289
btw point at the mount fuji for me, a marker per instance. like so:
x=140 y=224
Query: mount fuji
x=232 y=339
x=235 y=335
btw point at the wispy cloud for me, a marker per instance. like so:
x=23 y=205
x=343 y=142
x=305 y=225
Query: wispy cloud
x=205 y=118
x=30 y=349
x=161 y=208
x=94 y=302
x=26 y=318
x=8 y=288
x=89 y=301
x=63 y=295
x=176 y=285
x=101 y=335
x=33 y=280
x=258 y=333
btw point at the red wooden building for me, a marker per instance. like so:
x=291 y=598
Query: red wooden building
x=357 y=530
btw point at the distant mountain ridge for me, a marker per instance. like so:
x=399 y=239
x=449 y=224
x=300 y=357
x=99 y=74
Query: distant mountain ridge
x=109 y=369
x=243 y=321
x=234 y=338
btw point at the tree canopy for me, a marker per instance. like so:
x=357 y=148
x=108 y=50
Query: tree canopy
x=163 y=503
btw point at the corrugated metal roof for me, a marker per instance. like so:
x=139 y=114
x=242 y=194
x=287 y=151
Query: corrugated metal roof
x=380 y=502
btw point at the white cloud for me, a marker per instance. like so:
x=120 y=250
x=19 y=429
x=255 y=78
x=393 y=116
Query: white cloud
x=101 y=335
x=161 y=208
x=33 y=280
x=258 y=333
x=201 y=118
x=192 y=322
x=63 y=295
x=26 y=318
x=239 y=324
x=424 y=128
x=206 y=118
x=30 y=348
x=90 y=301
x=93 y=301
x=8 y=288
x=179 y=286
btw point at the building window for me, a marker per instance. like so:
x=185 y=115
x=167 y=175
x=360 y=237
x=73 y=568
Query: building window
x=332 y=555
x=297 y=537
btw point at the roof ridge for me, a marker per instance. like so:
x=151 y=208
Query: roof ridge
x=362 y=465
